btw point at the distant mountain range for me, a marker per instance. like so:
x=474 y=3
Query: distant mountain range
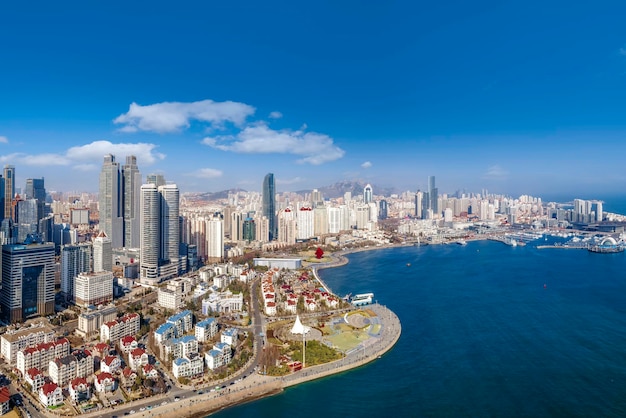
x=333 y=191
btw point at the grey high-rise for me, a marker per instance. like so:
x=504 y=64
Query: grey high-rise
x=269 y=204
x=9 y=190
x=35 y=190
x=131 y=196
x=109 y=199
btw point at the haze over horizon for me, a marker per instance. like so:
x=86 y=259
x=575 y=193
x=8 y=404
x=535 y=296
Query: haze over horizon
x=515 y=99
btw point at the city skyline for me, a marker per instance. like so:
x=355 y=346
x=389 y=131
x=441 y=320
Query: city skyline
x=388 y=94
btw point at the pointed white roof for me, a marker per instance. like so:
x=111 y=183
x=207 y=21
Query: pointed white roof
x=298 y=328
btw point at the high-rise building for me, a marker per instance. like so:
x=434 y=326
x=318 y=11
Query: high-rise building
x=156 y=179
x=131 y=192
x=368 y=194
x=75 y=259
x=35 y=190
x=94 y=288
x=160 y=232
x=150 y=228
x=102 y=253
x=27 y=281
x=433 y=195
x=119 y=201
x=269 y=204
x=9 y=190
x=110 y=201
x=215 y=238
x=383 y=210
x=26 y=218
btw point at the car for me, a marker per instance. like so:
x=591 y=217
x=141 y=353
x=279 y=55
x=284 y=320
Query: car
x=132 y=411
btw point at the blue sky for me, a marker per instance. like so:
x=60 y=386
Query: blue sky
x=515 y=97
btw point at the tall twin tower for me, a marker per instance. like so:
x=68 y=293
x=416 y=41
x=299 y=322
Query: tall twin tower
x=119 y=201
x=144 y=216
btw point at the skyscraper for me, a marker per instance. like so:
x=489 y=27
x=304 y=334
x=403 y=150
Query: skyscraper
x=269 y=204
x=9 y=190
x=150 y=226
x=109 y=199
x=368 y=194
x=215 y=238
x=75 y=259
x=102 y=253
x=131 y=190
x=27 y=281
x=160 y=232
x=35 y=190
x=433 y=195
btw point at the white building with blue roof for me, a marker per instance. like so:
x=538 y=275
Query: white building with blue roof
x=206 y=329
x=181 y=347
x=183 y=321
x=165 y=332
x=229 y=336
x=220 y=355
x=192 y=365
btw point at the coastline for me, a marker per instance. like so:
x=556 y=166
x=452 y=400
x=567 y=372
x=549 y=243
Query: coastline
x=258 y=386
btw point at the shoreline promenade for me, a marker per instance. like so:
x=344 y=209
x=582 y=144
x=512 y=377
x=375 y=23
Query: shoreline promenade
x=258 y=386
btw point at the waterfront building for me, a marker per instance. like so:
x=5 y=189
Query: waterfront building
x=220 y=355
x=27 y=281
x=269 y=204
x=187 y=366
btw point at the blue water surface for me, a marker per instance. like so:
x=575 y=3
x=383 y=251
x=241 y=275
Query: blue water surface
x=488 y=330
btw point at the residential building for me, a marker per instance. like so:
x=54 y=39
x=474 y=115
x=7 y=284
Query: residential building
x=12 y=341
x=40 y=355
x=206 y=329
x=89 y=322
x=114 y=330
x=75 y=259
x=79 y=390
x=50 y=394
x=220 y=355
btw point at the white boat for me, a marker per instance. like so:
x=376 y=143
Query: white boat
x=461 y=242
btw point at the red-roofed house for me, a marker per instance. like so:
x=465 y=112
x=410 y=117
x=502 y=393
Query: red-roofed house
x=35 y=378
x=137 y=358
x=104 y=382
x=128 y=343
x=79 y=389
x=50 y=394
x=110 y=364
x=5 y=397
x=150 y=372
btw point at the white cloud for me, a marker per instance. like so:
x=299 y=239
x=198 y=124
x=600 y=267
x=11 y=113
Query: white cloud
x=313 y=147
x=146 y=153
x=366 y=164
x=495 y=172
x=86 y=157
x=206 y=173
x=4 y=139
x=174 y=116
x=275 y=115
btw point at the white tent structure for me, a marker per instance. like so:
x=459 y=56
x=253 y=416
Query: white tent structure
x=298 y=328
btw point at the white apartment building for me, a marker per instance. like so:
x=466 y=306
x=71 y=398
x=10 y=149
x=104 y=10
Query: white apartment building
x=89 y=323
x=39 y=356
x=188 y=366
x=117 y=329
x=15 y=340
x=93 y=288
x=206 y=329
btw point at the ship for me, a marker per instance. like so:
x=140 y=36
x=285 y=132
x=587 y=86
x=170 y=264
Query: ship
x=606 y=249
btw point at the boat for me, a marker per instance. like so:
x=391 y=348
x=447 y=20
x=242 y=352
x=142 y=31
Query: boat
x=461 y=242
x=606 y=249
x=408 y=264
